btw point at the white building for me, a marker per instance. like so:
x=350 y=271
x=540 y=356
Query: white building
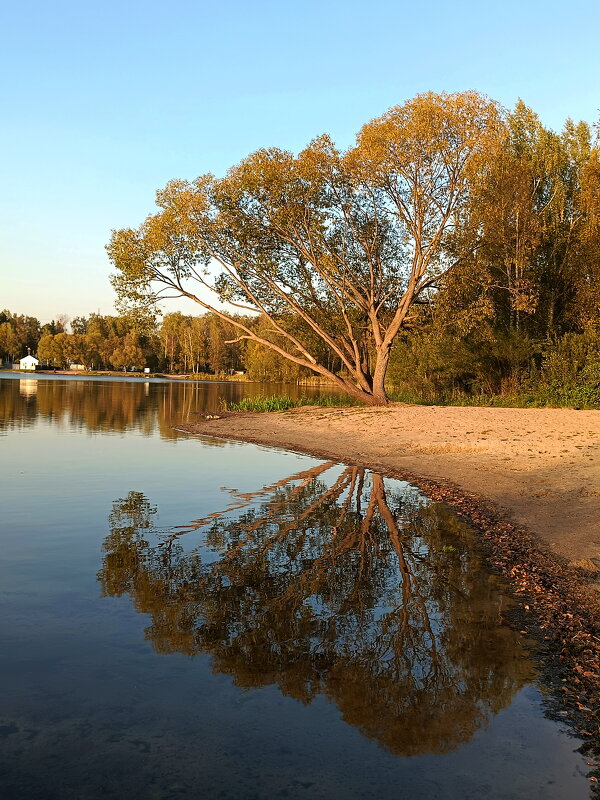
x=29 y=363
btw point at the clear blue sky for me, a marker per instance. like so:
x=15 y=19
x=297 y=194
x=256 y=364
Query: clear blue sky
x=103 y=103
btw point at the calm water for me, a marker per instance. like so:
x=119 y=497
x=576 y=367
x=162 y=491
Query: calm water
x=189 y=618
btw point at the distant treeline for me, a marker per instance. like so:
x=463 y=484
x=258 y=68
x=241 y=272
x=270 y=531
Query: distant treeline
x=175 y=344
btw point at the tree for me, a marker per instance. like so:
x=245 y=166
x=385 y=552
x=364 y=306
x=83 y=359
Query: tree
x=48 y=351
x=263 y=363
x=196 y=344
x=345 y=242
x=64 y=349
x=18 y=333
x=587 y=305
x=527 y=222
x=79 y=325
x=128 y=353
x=9 y=343
x=170 y=339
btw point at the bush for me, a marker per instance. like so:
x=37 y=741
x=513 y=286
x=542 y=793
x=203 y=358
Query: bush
x=571 y=370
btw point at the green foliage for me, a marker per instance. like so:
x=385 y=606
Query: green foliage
x=18 y=333
x=497 y=369
x=571 y=371
x=199 y=344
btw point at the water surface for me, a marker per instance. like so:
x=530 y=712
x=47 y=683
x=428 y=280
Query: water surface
x=186 y=617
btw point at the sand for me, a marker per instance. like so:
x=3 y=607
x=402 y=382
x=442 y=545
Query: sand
x=540 y=468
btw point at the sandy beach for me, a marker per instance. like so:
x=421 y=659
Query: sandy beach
x=540 y=468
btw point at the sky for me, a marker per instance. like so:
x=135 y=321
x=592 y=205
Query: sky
x=103 y=103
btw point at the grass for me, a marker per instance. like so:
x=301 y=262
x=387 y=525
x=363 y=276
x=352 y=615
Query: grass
x=524 y=400
x=531 y=398
x=283 y=403
x=266 y=403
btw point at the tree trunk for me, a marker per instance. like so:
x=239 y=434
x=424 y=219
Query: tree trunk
x=381 y=366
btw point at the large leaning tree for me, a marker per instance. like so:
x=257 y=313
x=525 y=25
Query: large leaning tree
x=345 y=244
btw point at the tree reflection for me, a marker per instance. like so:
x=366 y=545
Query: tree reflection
x=107 y=406
x=351 y=586
x=121 y=405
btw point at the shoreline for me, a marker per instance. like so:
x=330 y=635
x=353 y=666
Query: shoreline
x=539 y=466
x=554 y=578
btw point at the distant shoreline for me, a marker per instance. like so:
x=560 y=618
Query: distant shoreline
x=137 y=377
x=157 y=376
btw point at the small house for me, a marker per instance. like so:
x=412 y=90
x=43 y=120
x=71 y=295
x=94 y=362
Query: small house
x=29 y=363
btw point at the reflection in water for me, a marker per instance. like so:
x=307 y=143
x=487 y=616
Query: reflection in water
x=334 y=581
x=122 y=405
x=28 y=387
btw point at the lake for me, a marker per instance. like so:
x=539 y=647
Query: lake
x=186 y=617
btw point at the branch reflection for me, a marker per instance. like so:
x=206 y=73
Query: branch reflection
x=333 y=581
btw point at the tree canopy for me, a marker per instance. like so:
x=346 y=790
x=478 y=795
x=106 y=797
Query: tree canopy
x=346 y=243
